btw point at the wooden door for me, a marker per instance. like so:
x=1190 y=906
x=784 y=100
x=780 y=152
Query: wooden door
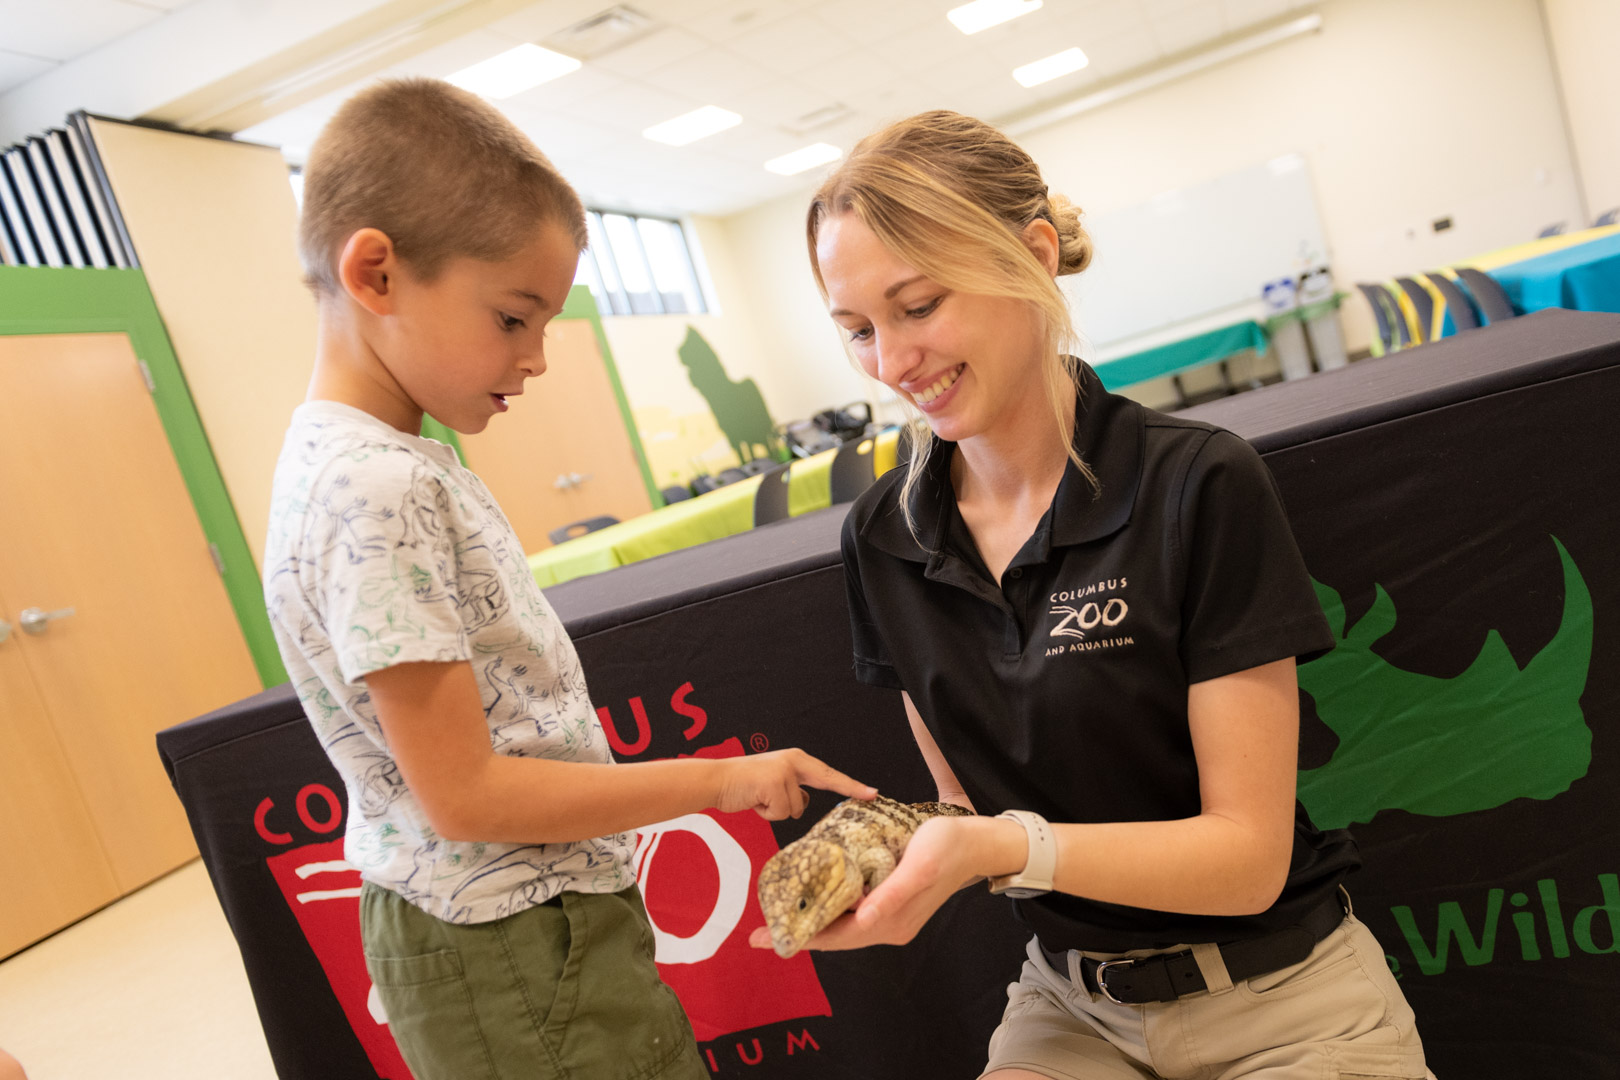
x=98 y=521
x=566 y=424
x=56 y=870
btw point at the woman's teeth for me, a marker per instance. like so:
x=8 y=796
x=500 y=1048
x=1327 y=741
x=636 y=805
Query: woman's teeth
x=946 y=381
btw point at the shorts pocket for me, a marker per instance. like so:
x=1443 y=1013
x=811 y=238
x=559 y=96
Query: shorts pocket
x=622 y=1021
x=1362 y=1063
x=431 y=1016
x=1331 y=957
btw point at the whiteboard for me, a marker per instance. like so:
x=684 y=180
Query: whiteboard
x=1193 y=251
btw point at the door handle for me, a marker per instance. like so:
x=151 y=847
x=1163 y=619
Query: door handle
x=571 y=480
x=36 y=621
x=5 y=631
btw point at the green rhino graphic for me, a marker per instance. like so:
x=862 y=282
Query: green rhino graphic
x=1441 y=747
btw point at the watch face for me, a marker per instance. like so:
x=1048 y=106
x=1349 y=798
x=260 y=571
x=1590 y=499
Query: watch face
x=1024 y=894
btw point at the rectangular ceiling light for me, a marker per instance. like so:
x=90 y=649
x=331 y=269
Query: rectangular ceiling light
x=983 y=14
x=1053 y=67
x=808 y=158
x=513 y=71
x=695 y=125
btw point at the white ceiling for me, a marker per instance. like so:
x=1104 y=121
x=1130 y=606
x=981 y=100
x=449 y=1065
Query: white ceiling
x=772 y=61
x=39 y=35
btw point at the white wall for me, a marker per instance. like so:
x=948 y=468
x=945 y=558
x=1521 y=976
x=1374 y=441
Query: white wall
x=1406 y=111
x=1585 y=35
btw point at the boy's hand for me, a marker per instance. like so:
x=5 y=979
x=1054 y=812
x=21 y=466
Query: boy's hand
x=769 y=784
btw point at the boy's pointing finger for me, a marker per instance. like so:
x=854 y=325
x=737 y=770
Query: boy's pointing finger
x=824 y=776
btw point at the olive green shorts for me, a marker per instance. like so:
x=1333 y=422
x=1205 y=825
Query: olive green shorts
x=563 y=991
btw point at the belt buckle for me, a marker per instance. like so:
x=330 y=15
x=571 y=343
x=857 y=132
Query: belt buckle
x=1101 y=975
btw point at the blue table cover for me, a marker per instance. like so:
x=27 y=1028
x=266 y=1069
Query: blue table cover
x=1583 y=278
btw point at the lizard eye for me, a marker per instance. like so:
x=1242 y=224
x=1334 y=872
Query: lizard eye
x=803 y=903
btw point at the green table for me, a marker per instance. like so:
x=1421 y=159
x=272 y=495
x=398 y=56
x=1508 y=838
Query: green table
x=711 y=516
x=1183 y=355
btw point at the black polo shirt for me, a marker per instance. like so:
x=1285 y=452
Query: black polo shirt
x=1063 y=690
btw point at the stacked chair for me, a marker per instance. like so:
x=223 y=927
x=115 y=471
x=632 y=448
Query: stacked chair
x=1432 y=305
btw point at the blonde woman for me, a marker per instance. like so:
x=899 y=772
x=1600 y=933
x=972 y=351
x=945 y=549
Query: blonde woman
x=1093 y=611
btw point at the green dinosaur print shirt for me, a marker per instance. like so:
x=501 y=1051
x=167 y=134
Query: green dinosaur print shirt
x=382 y=549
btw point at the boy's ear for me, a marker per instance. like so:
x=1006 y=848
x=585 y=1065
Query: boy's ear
x=366 y=268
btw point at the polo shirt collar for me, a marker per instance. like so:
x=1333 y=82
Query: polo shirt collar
x=1079 y=513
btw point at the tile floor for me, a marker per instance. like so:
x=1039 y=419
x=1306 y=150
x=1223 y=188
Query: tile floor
x=151 y=987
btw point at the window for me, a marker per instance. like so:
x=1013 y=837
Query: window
x=639 y=266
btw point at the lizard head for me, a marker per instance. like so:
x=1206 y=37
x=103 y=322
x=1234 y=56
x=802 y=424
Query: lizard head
x=803 y=888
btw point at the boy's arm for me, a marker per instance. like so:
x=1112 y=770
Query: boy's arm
x=433 y=718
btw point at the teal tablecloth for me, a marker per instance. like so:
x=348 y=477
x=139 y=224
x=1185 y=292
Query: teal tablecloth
x=1183 y=355
x=1585 y=277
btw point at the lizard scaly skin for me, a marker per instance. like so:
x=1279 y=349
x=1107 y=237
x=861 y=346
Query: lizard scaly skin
x=844 y=856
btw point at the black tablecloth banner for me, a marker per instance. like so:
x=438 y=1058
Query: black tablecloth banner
x=1457 y=507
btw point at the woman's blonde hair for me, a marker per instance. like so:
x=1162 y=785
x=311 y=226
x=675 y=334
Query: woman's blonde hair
x=439 y=170
x=952 y=196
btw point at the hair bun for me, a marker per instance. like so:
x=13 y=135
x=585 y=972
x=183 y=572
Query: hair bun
x=1074 y=243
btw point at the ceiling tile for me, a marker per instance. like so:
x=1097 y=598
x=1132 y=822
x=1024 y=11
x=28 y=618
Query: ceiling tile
x=870 y=23
x=634 y=107
x=1188 y=28
x=1105 y=20
x=1119 y=54
x=1241 y=14
x=541 y=20
x=16 y=70
x=779 y=103
x=64 y=29
x=676 y=11
x=714 y=76
x=851 y=75
x=656 y=50
x=792 y=45
x=735 y=18
x=925 y=48
x=444 y=60
x=575 y=89
x=561 y=132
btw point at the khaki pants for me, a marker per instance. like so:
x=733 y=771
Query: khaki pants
x=564 y=991
x=1338 y=1014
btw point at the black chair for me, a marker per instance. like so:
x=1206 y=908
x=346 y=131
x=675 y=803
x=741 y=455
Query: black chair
x=702 y=485
x=1489 y=296
x=1458 y=306
x=1551 y=230
x=1391 y=327
x=853 y=470
x=1424 y=303
x=676 y=494
x=580 y=528
x=1611 y=217
x=731 y=476
x=771 y=500
x=758 y=466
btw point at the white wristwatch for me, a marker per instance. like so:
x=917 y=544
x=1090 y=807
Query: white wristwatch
x=1035 y=879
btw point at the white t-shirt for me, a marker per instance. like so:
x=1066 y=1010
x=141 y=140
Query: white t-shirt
x=383 y=550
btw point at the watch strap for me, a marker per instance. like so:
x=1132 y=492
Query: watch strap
x=1041 y=863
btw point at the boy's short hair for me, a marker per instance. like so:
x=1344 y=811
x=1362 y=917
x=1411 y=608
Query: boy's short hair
x=436 y=168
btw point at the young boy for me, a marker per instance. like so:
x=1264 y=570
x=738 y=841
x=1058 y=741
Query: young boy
x=502 y=925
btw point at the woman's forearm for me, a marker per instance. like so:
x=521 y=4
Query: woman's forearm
x=1205 y=865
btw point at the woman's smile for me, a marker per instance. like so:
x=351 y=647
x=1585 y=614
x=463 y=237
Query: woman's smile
x=935 y=395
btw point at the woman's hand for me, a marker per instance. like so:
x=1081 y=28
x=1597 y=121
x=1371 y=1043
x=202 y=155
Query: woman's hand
x=940 y=859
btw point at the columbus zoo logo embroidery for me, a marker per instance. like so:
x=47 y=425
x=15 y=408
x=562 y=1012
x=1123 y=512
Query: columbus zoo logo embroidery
x=1088 y=618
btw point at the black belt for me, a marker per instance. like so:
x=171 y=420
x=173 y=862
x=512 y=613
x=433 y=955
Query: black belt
x=1174 y=975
